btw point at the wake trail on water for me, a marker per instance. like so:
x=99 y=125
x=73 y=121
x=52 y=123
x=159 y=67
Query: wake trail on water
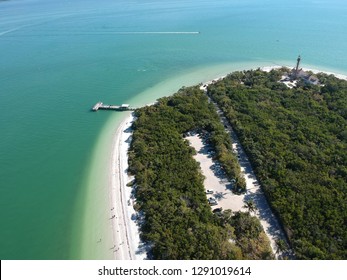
x=156 y=32
x=9 y=31
x=43 y=21
x=102 y=33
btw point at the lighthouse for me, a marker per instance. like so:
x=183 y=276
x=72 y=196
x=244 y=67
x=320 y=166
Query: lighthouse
x=297 y=67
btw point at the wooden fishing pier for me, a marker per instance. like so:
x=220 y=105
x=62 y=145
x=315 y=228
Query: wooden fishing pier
x=102 y=106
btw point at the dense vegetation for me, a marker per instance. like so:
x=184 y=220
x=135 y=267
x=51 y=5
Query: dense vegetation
x=296 y=140
x=177 y=221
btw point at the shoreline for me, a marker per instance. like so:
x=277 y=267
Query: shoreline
x=125 y=232
x=313 y=70
x=271 y=67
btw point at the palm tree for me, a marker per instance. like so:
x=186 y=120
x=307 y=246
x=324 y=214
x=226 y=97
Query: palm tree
x=250 y=205
x=281 y=246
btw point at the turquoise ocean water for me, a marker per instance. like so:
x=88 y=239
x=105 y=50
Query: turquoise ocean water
x=58 y=58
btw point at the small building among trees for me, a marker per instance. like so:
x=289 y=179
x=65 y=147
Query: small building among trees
x=299 y=73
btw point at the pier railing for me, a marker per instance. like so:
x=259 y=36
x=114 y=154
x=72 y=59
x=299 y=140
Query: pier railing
x=102 y=106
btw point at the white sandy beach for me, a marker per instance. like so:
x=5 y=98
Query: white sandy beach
x=125 y=231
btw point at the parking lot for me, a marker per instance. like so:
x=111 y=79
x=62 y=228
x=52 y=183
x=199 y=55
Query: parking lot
x=220 y=189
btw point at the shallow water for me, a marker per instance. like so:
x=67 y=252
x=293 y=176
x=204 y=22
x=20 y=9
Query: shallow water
x=58 y=58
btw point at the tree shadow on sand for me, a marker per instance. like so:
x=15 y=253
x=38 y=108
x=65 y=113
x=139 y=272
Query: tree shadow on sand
x=219 y=195
x=230 y=187
x=129 y=139
x=264 y=212
x=144 y=248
